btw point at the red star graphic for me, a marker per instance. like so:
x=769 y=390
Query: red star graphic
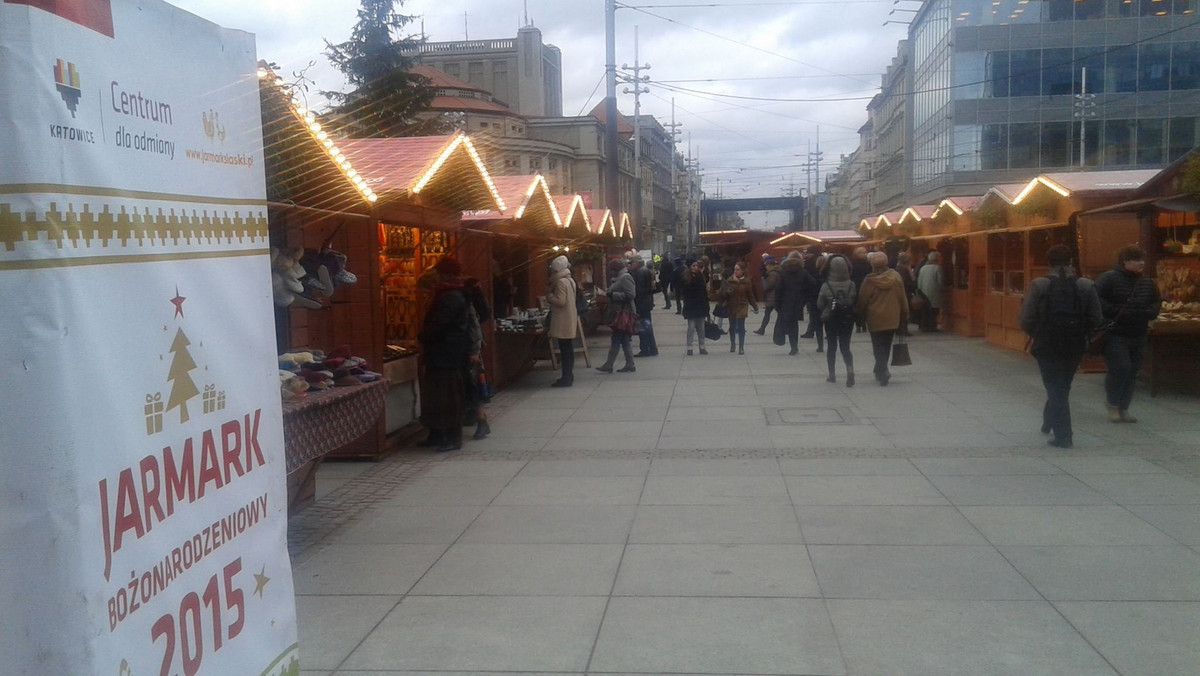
x=178 y=301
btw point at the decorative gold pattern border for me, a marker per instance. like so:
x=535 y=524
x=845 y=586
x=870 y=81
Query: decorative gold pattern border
x=85 y=228
x=82 y=261
x=93 y=191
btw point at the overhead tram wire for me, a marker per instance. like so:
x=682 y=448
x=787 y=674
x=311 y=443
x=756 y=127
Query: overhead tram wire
x=621 y=5
x=757 y=110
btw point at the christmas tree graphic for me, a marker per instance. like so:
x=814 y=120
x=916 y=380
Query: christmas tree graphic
x=182 y=386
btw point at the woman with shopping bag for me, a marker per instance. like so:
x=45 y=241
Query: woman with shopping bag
x=881 y=301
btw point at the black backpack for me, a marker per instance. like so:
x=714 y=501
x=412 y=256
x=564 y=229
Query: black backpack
x=1060 y=326
x=841 y=312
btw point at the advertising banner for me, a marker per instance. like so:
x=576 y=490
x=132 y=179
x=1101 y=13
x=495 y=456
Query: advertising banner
x=143 y=515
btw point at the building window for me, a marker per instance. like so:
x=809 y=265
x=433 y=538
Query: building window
x=994 y=149
x=512 y=162
x=1025 y=74
x=1118 y=142
x=1154 y=63
x=1024 y=145
x=475 y=73
x=1057 y=73
x=500 y=78
x=1185 y=65
x=1157 y=7
x=535 y=164
x=1151 y=141
x=1120 y=70
x=451 y=69
x=1056 y=144
x=1184 y=135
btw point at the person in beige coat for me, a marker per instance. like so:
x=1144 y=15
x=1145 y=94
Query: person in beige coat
x=882 y=301
x=564 y=317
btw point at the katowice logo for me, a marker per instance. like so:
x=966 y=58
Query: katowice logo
x=66 y=80
x=93 y=14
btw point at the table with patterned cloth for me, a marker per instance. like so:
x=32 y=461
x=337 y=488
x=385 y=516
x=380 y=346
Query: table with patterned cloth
x=324 y=421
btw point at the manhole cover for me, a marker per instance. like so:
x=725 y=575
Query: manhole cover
x=810 y=416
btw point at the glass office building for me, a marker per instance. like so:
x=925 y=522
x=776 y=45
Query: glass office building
x=1004 y=89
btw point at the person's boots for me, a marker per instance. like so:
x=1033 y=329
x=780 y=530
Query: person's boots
x=1114 y=414
x=434 y=439
x=849 y=378
x=452 y=441
x=832 y=377
x=482 y=429
x=1126 y=416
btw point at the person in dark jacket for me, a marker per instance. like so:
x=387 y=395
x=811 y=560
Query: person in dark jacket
x=838 y=293
x=1129 y=300
x=795 y=285
x=643 y=281
x=666 y=277
x=1043 y=317
x=445 y=345
x=859 y=269
x=621 y=293
x=677 y=284
x=812 y=265
x=770 y=280
x=694 y=294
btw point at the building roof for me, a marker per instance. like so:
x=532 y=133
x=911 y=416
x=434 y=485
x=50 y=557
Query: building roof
x=624 y=226
x=1088 y=181
x=889 y=219
x=959 y=205
x=919 y=212
x=819 y=237
x=624 y=126
x=527 y=201
x=573 y=213
x=602 y=222
x=438 y=170
x=455 y=95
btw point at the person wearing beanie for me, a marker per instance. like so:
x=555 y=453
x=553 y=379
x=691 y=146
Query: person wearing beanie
x=882 y=302
x=564 y=317
x=835 y=302
x=621 y=293
x=1130 y=300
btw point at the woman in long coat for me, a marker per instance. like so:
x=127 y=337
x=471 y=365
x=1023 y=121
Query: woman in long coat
x=564 y=317
x=621 y=292
x=739 y=298
x=795 y=285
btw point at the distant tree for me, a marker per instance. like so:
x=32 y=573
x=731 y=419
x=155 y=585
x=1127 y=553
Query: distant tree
x=385 y=99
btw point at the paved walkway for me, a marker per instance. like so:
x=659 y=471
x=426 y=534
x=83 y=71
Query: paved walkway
x=728 y=514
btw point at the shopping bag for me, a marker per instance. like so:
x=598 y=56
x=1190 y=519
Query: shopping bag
x=721 y=310
x=625 y=322
x=900 y=356
x=779 y=334
x=712 y=331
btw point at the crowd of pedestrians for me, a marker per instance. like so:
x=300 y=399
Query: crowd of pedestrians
x=1064 y=315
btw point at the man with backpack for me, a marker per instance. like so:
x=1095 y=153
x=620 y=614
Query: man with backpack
x=1059 y=312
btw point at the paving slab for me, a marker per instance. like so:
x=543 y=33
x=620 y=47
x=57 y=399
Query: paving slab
x=717 y=635
x=677 y=521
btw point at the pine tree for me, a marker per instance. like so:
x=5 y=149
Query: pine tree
x=182 y=387
x=386 y=98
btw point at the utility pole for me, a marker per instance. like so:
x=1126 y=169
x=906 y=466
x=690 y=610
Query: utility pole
x=612 y=171
x=816 y=158
x=673 y=133
x=638 y=89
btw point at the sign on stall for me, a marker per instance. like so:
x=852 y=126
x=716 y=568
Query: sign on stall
x=142 y=498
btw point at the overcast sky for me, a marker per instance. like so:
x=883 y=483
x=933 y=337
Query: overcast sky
x=756 y=49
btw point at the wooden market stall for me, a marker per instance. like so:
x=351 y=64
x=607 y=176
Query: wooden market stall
x=423 y=184
x=518 y=241
x=1163 y=217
